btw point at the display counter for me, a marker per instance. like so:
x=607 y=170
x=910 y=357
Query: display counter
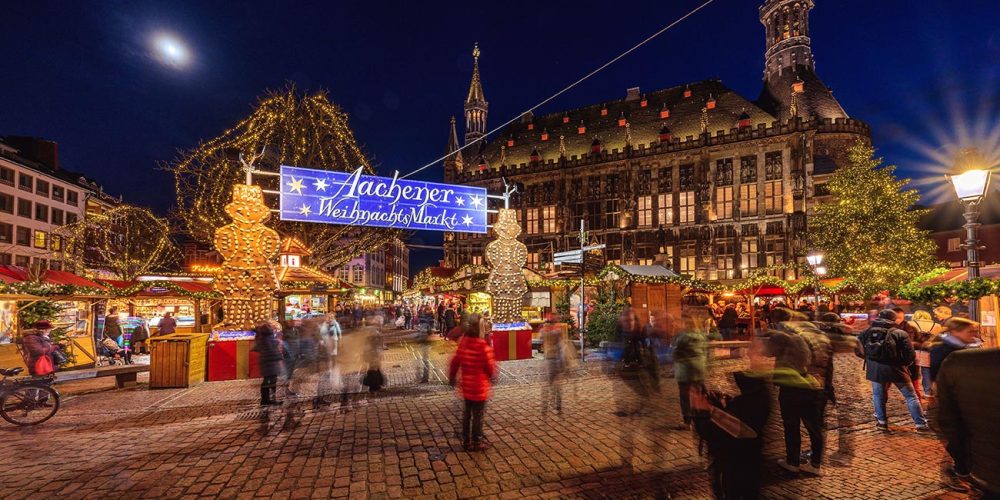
x=231 y=356
x=305 y=305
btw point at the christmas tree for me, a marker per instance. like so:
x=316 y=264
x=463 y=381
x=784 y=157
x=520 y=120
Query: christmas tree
x=869 y=231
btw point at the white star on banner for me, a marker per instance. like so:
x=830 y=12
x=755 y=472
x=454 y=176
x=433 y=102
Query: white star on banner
x=460 y=201
x=475 y=200
x=295 y=185
x=320 y=184
x=305 y=210
x=467 y=220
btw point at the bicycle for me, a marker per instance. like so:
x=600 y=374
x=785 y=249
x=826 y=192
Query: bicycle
x=27 y=401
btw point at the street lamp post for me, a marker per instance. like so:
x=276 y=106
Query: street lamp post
x=971 y=187
x=815 y=260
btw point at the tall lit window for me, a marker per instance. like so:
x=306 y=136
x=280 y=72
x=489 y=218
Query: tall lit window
x=548 y=219
x=612 y=214
x=724 y=202
x=534 y=260
x=748 y=200
x=531 y=225
x=41 y=239
x=644 y=211
x=774 y=252
x=359 y=274
x=477 y=260
x=748 y=253
x=687 y=258
x=725 y=251
x=686 y=207
x=773 y=197
x=664 y=209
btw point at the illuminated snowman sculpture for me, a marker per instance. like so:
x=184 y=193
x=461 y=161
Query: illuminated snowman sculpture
x=507 y=257
x=246 y=281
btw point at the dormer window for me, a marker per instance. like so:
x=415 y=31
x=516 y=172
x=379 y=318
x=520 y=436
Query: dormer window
x=664 y=112
x=531 y=126
x=510 y=142
x=622 y=120
x=545 y=135
x=582 y=129
x=604 y=111
x=643 y=103
x=798 y=86
x=710 y=104
x=566 y=119
x=687 y=92
x=595 y=147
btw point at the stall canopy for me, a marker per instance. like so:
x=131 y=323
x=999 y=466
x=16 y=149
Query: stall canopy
x=958 y=274
x=158 y=288
x=16 y=274
x=762 y=291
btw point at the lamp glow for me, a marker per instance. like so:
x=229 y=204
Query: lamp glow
x=971 y=185
x=815 y=258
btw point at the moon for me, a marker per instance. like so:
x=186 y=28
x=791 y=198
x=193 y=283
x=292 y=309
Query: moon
x=170 y=50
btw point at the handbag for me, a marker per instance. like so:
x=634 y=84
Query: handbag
x=59 y=358
x=43 y=366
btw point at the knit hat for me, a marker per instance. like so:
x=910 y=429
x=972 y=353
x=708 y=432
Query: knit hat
x=42 y=325
x=829 y=317
x=887 y=314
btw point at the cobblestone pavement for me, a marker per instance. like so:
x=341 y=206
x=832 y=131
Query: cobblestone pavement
x=213 y=440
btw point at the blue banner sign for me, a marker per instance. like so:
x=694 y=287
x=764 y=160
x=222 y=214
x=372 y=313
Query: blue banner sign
x=355 y=199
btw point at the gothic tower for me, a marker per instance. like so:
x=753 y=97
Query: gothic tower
x=791 y=87
x=453 y=163
x=475 y=104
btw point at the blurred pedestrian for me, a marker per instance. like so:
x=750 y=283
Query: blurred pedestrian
x=140 y=335
x=968 y=412
x=269 y=359
x=915 y=341
x=690 y=364
x=959 y=334
x=555 y=350
x=167 y=324
x=475 y=364
x=923 y=326
x=424 y=329
x=887 y=352
x=728 y=321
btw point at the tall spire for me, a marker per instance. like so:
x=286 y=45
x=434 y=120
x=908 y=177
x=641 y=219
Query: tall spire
x=453 y=163
x=475 y=104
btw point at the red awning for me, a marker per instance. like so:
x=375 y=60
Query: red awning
x=766 y=290
x=14 y=274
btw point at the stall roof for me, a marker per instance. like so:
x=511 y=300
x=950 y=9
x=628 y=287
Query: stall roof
x=187 y=286
x=655 y=270
x=991 y=271
x=309 y=274
x=16 y=274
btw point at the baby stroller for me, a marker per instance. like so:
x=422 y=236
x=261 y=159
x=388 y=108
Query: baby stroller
x=110 y=353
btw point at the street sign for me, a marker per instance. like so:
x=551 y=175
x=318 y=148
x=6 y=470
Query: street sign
x=570 y=253
x=592 y=247
x=352 y=198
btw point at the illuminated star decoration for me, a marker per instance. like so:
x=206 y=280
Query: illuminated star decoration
x=320 y=184
x=467 y=220
x=475 y=200
x=295 y=185
x=460 y=201
x=305 y=210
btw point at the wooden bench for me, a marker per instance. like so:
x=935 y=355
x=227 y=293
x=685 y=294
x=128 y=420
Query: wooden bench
x=728 y=349
x=125 y=376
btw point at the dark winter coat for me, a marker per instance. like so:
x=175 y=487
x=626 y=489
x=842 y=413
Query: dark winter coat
x=968 y=404
x=729 y=318
x=166 y=326
x=35 y=346
x=941 y=348
x=884 y=373
x=269 y=357
x=474 y=358
x=449 y=319
x=141 y=332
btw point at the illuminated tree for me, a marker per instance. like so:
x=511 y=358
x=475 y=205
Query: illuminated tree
x=869 y=231
x=127 y=241
x=284 y=129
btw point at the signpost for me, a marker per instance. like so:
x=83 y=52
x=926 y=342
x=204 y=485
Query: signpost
x=352 y=198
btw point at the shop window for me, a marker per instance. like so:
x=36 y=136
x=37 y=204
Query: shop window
x=644 y=211
x=6 y=259
x=748 y=200
x=724 y=202
x=748 y=253
x=6 y=233
x=22 y=261
x=6 y=203
x=687 y=258
x=23 y=236
x=57 y=217
x=72 y=198
x=58 y=193
x=26 y=182
x=42 y=188
x=7 y=176
x=686 y=207
x=724 y=258
x=24 y=208
x=664 y=209
x=41 y=239
x=548 y=219
x=41 y=212
x=773 y=197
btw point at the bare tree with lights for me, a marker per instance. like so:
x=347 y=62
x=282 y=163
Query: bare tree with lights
x=285 y=128
x=869 y=231
x=127 y=241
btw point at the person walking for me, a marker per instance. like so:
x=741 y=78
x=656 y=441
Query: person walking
x=475 y=362
x=167 y=325
x=690 y=365
x=968 y=411
x=728 y=322
x=269 y=359
x=425 y=326
x=887 y=352
x=140 y=335
x=553 y=348
x=959 y=334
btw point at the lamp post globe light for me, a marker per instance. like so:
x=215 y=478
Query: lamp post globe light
x=971 y=185
x=815 y=260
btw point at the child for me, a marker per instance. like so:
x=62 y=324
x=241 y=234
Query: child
x=474 y=358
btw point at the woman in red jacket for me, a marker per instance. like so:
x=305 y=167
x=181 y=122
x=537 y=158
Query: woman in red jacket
x=474 y=358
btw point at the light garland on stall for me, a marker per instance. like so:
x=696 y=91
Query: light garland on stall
x=507 y=257
x=246 y=281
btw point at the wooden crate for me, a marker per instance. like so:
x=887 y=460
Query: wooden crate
x=177 y=360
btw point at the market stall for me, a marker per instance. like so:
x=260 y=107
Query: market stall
x=648 y=287
x=190 y=301
x=947 y=292
x=306 y=291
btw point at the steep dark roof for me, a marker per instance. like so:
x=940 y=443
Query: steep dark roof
x=816 y=100
x=644 y=123
x=59 y=172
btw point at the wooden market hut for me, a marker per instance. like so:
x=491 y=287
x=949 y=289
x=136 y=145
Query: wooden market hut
x=189 y=299
x=946 y=285
x=649 y=287
x=304 y=289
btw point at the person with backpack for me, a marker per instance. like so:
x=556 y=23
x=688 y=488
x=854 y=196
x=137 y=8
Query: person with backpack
x=887 y=352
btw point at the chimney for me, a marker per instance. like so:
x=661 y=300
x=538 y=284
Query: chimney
x=632 y=94
x=36 y=149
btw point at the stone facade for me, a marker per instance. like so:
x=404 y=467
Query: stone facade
x=710 y=182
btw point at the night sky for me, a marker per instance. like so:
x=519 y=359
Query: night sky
x=82 y=73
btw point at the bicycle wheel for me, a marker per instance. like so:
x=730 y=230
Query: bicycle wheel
x=29 y=404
